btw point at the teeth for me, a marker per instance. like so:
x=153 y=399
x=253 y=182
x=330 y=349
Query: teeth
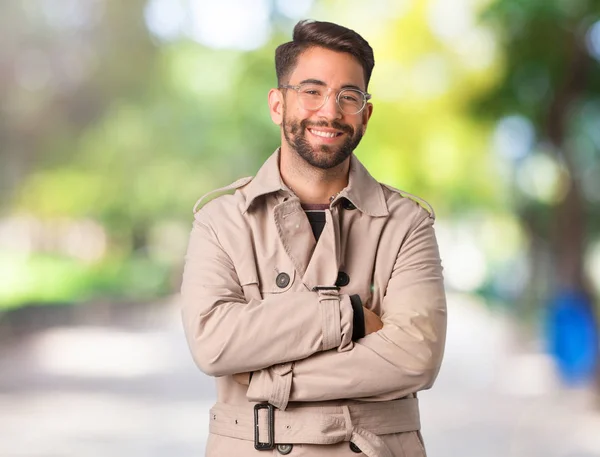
x=324 y=134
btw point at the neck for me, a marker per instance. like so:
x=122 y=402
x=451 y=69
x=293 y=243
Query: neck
x=310 y=184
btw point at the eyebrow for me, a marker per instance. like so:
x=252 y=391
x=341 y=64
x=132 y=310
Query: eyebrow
x=322 y=83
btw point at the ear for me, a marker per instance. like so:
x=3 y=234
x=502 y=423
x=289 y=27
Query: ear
x=366 y=114
x=276 y=106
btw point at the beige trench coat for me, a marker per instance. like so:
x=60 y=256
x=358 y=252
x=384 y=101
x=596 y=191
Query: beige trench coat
x=249 y=306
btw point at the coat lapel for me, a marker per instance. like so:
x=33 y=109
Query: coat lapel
x=295 y=233
x=316 y=263
x=324 y=263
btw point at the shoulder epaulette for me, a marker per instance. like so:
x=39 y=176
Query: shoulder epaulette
x=234 y=185
x=424 y=204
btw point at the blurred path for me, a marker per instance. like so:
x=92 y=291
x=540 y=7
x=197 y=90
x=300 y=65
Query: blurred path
x=132 y=390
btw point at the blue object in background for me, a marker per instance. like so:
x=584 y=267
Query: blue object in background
x=572 y=336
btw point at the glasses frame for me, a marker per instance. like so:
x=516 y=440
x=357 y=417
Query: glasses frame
x=366 y=97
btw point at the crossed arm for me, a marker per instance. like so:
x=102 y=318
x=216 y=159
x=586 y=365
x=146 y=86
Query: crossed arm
x=401 y=357
x=372 y=324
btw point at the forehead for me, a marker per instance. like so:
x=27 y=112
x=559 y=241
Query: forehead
x=336 y=69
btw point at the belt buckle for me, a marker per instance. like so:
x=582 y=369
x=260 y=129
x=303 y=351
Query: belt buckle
x=270 y=424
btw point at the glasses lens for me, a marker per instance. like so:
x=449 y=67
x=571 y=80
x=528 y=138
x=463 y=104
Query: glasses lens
x=351 y=101
x=312 y=96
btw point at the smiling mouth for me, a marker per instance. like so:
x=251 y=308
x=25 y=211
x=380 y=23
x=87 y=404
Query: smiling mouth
x=324 y=134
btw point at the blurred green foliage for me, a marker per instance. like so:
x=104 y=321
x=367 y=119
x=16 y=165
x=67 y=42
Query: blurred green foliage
x=57 y=279
x=552 y=81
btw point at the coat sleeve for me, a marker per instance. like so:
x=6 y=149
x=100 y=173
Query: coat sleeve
x=403 y=357
x=228 y=334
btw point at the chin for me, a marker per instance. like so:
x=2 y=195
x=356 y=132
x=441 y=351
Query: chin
x=323 y=158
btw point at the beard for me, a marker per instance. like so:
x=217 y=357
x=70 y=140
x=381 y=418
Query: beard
x=323 y=156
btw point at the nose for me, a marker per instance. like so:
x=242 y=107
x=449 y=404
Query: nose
x=330 y=108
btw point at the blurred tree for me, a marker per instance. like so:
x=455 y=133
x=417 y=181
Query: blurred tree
x=61 y=69
x=552 y=80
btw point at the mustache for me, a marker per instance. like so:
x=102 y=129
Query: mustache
x=334 y=125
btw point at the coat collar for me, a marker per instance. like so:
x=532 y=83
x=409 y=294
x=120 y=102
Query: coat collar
x=267 y=180
x=363 y=190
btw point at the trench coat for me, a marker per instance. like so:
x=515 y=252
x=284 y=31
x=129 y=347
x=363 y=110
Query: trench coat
x=260 y=295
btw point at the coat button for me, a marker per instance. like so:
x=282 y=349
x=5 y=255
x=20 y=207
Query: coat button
x=283 y=279
x=354 y=448
x=342 y=279
x=347 y=204
x=285 y=449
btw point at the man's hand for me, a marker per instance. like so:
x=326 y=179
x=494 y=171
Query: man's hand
x=242 y=378
x=372 y=321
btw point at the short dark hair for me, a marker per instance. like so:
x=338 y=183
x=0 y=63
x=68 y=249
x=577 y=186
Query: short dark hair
x=308 y=34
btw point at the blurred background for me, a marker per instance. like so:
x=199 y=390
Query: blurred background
x=115 y=117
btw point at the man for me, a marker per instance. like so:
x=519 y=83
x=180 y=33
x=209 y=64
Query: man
x=314 y=293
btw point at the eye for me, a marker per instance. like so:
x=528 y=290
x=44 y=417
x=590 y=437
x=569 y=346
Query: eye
x=350 y=98
x=314 y=92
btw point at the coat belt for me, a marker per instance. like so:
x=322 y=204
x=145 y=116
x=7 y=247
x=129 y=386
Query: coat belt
x=360 y=423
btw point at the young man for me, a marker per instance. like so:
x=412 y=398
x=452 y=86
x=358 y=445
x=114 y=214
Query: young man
x=314 y=293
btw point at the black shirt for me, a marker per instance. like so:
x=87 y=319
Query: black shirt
x=316 y=216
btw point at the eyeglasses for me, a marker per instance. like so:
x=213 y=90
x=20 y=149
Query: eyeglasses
x=313 y=97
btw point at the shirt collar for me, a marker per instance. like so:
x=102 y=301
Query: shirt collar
x=363 y=190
